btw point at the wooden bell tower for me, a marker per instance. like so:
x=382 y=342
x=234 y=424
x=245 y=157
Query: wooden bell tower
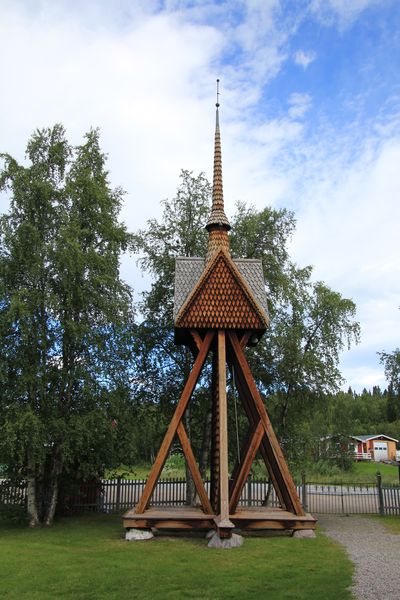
x=220 y=307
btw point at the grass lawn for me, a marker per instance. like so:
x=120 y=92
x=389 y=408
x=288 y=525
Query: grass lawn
x=362 y=472
x=392 y=523
x=86 y=558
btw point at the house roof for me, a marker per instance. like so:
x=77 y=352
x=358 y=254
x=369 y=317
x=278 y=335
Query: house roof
x=189 y=270
x=366 y=438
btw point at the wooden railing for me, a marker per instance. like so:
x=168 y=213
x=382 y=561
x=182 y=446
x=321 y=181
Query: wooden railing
x=362 y=456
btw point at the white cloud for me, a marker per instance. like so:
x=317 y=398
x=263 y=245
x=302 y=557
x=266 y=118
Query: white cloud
x=299 y=105
x=145 y=73
x=303 y=58
x=139 y=86
x=363 y=377
x=348 y=228
x=345 y=12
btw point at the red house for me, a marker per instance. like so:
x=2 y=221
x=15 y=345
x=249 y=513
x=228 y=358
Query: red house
x=377 y=447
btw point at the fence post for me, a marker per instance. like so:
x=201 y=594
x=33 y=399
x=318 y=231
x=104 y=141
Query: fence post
x=249 y=494
x=342 y=497
x=304 y=491
x=380 y=494
x=118 y=507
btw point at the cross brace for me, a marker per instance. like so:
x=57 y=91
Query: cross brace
x=228 y=349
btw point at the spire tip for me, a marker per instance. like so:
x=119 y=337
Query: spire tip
x=217 y=104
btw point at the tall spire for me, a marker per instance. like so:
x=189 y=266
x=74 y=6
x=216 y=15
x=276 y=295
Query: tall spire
x=217 y=224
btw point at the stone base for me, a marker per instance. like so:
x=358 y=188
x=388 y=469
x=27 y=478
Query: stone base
x=233 y=542
x=210 y=534
x=304 y=533
x=135 y=535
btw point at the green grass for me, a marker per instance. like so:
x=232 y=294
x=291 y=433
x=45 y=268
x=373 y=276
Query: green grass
x=174 y=467
x=86 y=558
x=140 y=471
x=362 y=472
x=392 y=523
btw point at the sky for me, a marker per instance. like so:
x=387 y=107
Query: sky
x=310 y=121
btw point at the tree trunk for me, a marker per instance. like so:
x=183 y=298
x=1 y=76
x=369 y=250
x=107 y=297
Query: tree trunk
x=52 y=503
x=51 y=500
x=31 y=494
x=268 y=494
x=31 y=502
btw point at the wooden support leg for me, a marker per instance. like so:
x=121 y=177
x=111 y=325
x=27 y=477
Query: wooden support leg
x=289 y=492
x=265 y=451
x=223 y=430
x=214 y=462
x=173 y=426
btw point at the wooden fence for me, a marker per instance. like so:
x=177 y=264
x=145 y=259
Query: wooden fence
x=118 y=495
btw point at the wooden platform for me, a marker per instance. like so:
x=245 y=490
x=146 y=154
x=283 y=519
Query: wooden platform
x=194 y=518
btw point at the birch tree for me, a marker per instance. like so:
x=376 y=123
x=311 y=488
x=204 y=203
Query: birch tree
x=65 y=315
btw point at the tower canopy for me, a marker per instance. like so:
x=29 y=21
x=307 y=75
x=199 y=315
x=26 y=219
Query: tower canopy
x=218 y=291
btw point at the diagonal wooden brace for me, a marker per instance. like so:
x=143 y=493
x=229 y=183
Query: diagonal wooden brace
x=276 y=457
x=173 y=426
x=247 y=461
x=191 y=461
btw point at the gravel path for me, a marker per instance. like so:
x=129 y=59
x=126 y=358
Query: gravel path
x=375 y=552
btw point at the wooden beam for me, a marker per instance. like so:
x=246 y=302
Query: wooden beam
x=214 y=457
x=245 y=338
x=247 y=461
x=196 y=338
x=244 y=368
x=191 y=461
x=265 y=447
x=171 y=431
x=267 y=451
x=223 y=429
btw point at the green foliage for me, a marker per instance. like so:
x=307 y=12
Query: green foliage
x=296 y=363
x=360 y=473
x=12 y=513
x=66 y=322
x=87 y=558
x=174 y=465
x=391 y=362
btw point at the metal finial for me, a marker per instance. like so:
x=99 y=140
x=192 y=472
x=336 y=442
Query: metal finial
x=217 y=104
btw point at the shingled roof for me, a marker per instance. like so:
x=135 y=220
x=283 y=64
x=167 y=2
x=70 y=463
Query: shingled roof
x=189 y=270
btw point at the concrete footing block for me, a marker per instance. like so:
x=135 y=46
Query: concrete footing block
x=303 y=533
x=210 y=533
x=235 y=541
x=136 y=535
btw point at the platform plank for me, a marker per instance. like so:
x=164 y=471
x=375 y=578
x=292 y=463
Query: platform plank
x=189 y=517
